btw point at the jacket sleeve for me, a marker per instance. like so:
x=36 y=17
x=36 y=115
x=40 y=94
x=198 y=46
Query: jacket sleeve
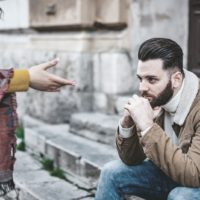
x=19 y=81
x=5 y=77
x=184 y=168
x=129 y=149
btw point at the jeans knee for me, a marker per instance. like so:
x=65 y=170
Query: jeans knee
x=174 y=195
x=184 y=193
x=111 y=170
x=108 y=169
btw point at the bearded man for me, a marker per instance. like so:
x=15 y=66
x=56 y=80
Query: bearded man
x=158 y=138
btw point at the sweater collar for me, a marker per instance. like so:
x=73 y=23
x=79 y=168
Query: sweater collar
x=181 y=103
x=172 y=105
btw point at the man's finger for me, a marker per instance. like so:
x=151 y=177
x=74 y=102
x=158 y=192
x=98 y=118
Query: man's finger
x=136 y=98
x=127 y=107
x=130 y=100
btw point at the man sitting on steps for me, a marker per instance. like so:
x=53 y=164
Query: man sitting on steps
x=158 y=138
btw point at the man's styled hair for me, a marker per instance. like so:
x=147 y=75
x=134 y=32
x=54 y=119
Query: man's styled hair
x=165 y=49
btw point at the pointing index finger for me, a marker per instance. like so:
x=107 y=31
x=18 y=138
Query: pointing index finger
x=62 y=81
x=50 y=64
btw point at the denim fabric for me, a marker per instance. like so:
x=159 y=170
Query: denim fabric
x=144 y=180
x=184 y=193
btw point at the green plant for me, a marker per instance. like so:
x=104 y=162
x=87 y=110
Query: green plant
x=21 y=135
x=47 y=164
x=21 y=146
x=58 y=173
x=20 y=132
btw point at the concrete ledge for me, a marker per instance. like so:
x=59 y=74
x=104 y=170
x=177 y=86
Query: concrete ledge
x=70 y=152
x=95 y=126
x=36 y=184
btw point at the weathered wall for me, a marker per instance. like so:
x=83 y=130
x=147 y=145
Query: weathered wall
x=155 y=18
x=102 y=60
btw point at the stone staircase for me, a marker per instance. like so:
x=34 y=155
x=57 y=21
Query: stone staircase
x=34 y=183
x=96 y=126
x=80 y=148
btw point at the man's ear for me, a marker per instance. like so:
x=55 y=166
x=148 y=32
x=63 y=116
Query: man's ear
x=176 y=79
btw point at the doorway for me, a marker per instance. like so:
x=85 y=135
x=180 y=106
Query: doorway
x=194 y=37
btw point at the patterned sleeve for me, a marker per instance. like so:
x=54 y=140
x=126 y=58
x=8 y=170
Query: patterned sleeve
x=5 y=77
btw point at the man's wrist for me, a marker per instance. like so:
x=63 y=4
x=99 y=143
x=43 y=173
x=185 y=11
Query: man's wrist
x=127 y=122
x=125 y=132
x=146 y=127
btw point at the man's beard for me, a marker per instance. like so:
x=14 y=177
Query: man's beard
x=162 y=98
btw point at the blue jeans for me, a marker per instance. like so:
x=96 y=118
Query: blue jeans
x=145 y=180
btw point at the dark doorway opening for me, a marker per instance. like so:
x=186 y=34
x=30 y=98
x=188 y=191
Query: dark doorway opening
x=194 y=37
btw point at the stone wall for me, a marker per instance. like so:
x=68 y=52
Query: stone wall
x=102 y=59
x=55 y=107
x=155 y=18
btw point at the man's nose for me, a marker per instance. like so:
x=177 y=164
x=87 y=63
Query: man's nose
x=143 y=87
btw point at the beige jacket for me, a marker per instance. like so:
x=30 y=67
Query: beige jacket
x=182 y=162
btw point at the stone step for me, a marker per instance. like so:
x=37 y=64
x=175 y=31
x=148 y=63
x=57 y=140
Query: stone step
x=34 y=183
x=70 y=152
x=95 y=126
x=80 y=158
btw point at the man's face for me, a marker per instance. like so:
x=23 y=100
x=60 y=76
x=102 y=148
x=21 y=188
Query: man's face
x=155 y=83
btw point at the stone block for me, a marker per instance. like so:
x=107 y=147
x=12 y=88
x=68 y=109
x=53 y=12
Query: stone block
x=15 y=14
x=45 y=187
x=62 y=13
x=24 y=195
x=118 y=14
x=34 y=177
x=95 y=126
x=52 y=153
x=120 y=103
x=35 y=142
x=89 y=170
x=68 y=160
x=25 y=163
x=104 y=103
x=80 y=181
x=100 y=102
x=57 y=190
x=113 y=73
x=30 y=122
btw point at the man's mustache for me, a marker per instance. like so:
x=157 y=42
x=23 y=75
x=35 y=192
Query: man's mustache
x=143 y=94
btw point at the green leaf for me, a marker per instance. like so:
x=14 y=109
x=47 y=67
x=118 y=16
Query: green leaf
x=20 y=132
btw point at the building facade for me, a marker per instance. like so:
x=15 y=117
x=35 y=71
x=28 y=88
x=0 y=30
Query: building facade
x=97 y=43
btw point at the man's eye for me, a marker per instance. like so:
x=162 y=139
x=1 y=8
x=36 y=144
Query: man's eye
x=139 y=78
x=152 y=80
